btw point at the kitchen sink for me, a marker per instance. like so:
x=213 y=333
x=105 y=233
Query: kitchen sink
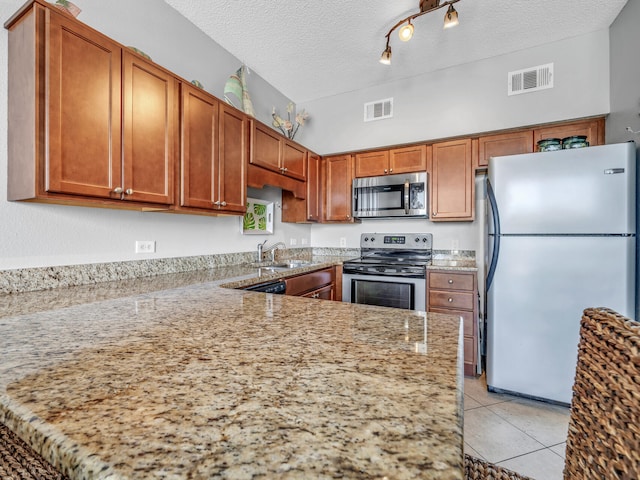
x=279 y=266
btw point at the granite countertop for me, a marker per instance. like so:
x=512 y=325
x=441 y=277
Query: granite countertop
x=177 y=377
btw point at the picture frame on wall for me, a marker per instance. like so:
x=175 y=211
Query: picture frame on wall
x=258 y=219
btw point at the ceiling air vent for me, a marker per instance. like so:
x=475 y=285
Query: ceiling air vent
x=378 y=110
x=531 y=79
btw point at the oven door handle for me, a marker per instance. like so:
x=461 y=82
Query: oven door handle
x=406 y=196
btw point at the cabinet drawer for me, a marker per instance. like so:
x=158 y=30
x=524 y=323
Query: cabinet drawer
x=451 y=281
x=461 y=300
x=467 y=317
x=309 y=281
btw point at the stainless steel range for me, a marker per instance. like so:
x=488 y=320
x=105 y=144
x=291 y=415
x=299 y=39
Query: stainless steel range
x=391 y=272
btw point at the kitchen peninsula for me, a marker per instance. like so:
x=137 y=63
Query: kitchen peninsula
x=177 y=377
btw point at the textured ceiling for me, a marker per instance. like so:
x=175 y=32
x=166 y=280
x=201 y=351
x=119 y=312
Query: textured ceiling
x=309 y=49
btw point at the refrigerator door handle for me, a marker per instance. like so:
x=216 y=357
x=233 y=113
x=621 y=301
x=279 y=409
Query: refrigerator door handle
x=495 y=217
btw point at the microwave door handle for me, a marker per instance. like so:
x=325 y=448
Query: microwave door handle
x=406 y=197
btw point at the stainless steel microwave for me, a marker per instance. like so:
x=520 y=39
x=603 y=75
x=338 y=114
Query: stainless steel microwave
x=400 y=195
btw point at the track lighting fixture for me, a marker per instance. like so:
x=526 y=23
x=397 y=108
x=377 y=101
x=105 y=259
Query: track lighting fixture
x=406 y=31
x=385 y=59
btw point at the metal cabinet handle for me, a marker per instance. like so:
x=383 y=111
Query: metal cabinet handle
x=128 y=191
x=118 y=190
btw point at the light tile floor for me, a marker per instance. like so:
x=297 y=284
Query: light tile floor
x=523 y=435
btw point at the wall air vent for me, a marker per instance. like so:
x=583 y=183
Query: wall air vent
x=531 y=79
x=378 y=110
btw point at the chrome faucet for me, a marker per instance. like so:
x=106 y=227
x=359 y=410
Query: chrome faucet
x=271 y=249
x=260 y=245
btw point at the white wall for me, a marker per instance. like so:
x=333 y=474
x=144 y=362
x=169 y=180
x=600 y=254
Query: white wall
x=625 y=76
x=33 y=235
x=467 y=99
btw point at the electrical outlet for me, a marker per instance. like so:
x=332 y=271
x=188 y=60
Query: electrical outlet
x=145 y=246
x=293 y=242
x=343 y=242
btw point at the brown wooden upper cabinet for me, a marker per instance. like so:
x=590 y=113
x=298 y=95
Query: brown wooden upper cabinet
x=90 y=123
x=214 y=153
x=451 y=181
x=150 y=126
x=272 y=151
x=389 y=162
x=511 y=143
x=305 y=210
x=338 y=174
x=592 y=128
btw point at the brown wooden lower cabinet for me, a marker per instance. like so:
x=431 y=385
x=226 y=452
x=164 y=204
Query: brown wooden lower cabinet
x=455 y=293
x=318 y=284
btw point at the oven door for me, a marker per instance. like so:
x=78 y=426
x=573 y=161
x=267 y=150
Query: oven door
x=385 y=291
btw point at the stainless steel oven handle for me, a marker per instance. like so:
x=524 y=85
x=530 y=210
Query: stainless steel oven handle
x=406 y=196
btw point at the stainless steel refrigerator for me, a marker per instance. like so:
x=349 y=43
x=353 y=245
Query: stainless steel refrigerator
x=561 y=238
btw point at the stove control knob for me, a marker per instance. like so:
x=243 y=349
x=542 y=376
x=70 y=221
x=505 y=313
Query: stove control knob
x=373 y=239
x=417 y=239
x=424 y=239
x=366 y=239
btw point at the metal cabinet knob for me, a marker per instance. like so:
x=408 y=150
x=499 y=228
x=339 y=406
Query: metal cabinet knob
x=434 y=214
x=224 y=204
x=450 y=281
x=450 y=300
x=129 y=191
x=118 y=190
x=385 y=170
x=391 y=170
x=217 y=203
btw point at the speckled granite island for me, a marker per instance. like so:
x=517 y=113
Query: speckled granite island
x=177 y=377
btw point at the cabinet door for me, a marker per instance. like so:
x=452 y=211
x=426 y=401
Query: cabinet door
x=452 y=182
x=150 y=131
x=370 y=164
x=313 y=187
x=294 y=160
x=339 y=177
x=504 y=144
x=265 y=147
x=304 y=210
x=83 y=111
x=324 y=293
x=233 y=138
x=310 y=282
x=408 y=159
x=199 y=159
x=593 y=129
